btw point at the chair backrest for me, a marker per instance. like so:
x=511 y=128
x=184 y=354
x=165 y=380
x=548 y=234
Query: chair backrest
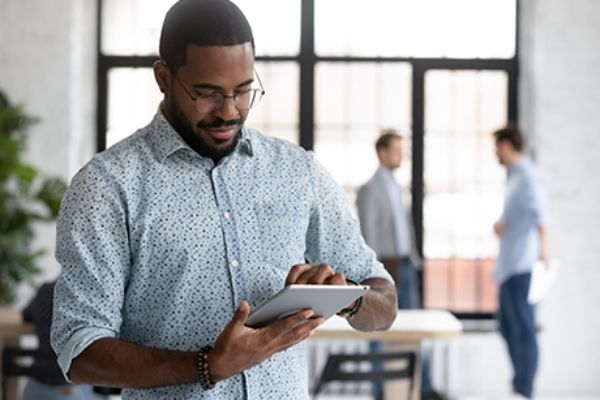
x=338 y=368
x=34 y=363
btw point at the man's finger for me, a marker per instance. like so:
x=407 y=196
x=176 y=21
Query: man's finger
x=283 y=325
x=321 y=273
x=241 y=314
x=295 y=272
x=336 y=279
x=299 y=333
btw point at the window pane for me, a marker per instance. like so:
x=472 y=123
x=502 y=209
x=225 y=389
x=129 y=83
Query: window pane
x=277 y=113
x=275 y=25
x=464 y=186
x=416 y=28
x=354 y=102
x=133 y=98
x=132 y=27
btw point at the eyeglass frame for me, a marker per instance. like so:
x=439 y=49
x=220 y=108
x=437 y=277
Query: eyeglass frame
x=223 y=96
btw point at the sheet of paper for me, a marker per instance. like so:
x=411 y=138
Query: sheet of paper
x=542 y=279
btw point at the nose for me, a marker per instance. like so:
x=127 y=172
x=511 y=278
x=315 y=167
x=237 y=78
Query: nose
x=228 y=111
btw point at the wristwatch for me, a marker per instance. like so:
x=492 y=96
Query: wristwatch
x=350 y=312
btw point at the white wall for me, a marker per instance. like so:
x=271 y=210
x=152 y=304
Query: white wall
x=47 y=62
x=560 y=107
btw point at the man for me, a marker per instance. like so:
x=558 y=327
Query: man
x=196 y=218
x=387 y=228
x=386 y=224
x=522 y=232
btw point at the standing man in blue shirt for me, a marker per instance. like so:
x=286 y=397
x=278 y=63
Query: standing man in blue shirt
x=170 y=237
x=523 y=241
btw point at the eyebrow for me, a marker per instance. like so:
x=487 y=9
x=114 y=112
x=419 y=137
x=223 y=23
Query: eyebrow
x=217 y=87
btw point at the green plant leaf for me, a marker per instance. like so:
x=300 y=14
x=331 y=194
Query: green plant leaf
x=20 y=209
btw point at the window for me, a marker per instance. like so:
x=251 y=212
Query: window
x=416 y=28
x=463 y=186
x=353 y=103
x=443 y=73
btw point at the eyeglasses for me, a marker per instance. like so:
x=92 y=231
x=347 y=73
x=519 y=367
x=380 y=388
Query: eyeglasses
x=243 y=100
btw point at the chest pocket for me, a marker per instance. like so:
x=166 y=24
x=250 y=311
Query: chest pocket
x=282 y=233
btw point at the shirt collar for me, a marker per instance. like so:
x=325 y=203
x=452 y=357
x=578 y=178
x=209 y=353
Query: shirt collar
x=385 y=173
x=521 y=165
x=164 y=140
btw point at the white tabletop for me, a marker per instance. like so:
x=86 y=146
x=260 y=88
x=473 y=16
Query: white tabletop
x=409 y=326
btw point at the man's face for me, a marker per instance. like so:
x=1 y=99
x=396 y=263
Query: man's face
x=503 y=152
x=391 y=157
x=208 y=69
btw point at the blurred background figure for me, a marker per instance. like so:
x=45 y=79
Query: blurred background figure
x=387 y=226
x=523 y=241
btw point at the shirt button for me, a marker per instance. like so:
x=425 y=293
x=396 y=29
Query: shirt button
x=234 y=263
x=226 y=215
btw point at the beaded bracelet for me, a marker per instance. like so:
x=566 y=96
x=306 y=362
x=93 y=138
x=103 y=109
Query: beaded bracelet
x=203 y=374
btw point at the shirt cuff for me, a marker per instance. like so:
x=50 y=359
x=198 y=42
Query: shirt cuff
x=78 y=342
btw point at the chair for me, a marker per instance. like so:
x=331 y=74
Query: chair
x=38 y=364
x=32 y=363
x=339 y=368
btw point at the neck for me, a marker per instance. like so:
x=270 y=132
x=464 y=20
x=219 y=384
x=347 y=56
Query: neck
x=514 y=159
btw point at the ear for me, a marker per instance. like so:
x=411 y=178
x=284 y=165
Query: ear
x=162 y=74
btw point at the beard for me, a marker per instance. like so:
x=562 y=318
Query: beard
x=184 y=127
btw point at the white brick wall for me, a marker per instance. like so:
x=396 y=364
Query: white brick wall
x=560 y=83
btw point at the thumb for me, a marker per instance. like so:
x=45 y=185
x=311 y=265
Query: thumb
x=241 y=313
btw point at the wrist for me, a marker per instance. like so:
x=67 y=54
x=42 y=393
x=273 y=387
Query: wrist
x=352 y=309
x=206 y=380
x=214 y=366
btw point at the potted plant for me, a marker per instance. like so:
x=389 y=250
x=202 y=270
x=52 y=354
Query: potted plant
x=26 y=198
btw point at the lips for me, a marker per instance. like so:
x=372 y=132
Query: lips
x=222 y=133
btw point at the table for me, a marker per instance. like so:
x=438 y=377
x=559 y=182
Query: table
x=12 y=328
x=409 y=329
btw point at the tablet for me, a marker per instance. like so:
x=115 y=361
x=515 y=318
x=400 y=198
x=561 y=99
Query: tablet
x=324 y=300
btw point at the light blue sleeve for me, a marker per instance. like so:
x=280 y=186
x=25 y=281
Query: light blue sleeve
x=93 y=248
x=333 y=236
x=536 y=201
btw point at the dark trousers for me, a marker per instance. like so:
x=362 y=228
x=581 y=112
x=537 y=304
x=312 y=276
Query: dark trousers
x=517 y=325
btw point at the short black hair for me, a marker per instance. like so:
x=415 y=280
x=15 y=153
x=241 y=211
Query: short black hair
x=387 y=135
x=511 y=134
x=202 y=23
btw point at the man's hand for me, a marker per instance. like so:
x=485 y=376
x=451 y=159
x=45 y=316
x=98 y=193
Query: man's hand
x=309 y=274
x=321 y=274
x=499 y=228
x=378 y=307
x=240 y=347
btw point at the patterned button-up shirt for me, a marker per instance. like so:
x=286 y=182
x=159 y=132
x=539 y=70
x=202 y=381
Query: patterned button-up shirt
x=158 y=247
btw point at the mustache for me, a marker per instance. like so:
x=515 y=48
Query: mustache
x=220 y=124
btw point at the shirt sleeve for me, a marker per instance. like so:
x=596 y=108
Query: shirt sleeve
x=367 y=210
x=92 y=247
x=536 y=202
x=333 y=236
